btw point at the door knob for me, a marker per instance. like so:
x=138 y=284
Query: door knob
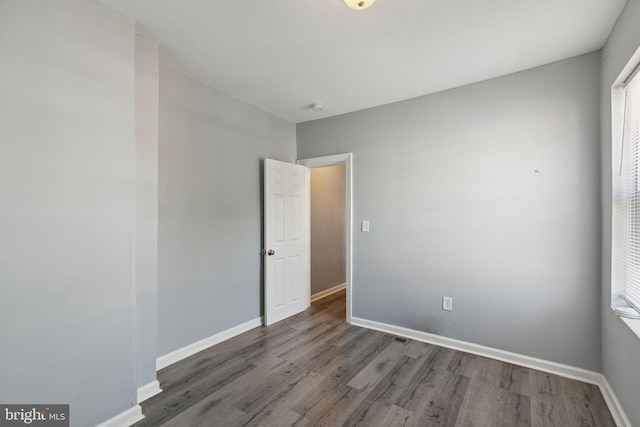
x=271 y=252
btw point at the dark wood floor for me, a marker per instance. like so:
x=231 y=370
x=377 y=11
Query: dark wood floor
x=314 y=369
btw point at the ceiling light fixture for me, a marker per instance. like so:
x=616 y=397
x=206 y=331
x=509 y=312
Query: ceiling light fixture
x=359 y=4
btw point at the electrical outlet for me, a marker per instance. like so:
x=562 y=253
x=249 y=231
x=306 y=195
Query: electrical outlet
x=365 y=226
x=447 y=303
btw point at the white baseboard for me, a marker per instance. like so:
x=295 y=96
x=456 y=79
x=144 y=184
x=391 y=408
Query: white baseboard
x=506 y=356
x=148 y=390
x=328 y=292
x=126 y=418
x=614 y=404
x=191 y=349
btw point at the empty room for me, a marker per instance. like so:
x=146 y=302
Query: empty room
x=319 y=213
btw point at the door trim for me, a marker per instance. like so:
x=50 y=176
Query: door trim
x=347 y=160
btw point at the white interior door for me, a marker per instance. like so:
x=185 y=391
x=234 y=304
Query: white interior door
x=286 y=237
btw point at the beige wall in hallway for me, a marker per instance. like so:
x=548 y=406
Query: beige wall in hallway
x=327 y=228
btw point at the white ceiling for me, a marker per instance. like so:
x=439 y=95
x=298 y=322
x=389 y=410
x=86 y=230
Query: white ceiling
x=283 y=55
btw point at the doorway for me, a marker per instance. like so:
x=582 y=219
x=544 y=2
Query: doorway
x=344 y=160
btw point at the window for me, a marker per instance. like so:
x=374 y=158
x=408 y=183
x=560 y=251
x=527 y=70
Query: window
x=626 y=196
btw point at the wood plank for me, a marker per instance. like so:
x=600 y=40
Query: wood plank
x=314 y=340
x=208 y=412
x=417 y=349
x=514 y=379
x=304 y=403
x=381 y=365
x=336 y=407
x=547 y=405
x=268 y=388
x=191 y=389
x=314 y=369
x=399 y=417
x=427 y=379
x=585 y=404
x=369 y=412
x=354 y=356
x=352 y=332
x=432 y=405
x=486 y=405
x=285 y=418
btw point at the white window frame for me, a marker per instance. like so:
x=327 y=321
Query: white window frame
x=619 y=228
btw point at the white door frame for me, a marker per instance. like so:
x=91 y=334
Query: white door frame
x=345 y=159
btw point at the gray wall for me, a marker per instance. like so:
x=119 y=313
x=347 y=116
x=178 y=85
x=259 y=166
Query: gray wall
x=486 y=193
x=210 y=172
x=620 y=346
x=328 y=267
x=67 y=185
x=146 y=124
